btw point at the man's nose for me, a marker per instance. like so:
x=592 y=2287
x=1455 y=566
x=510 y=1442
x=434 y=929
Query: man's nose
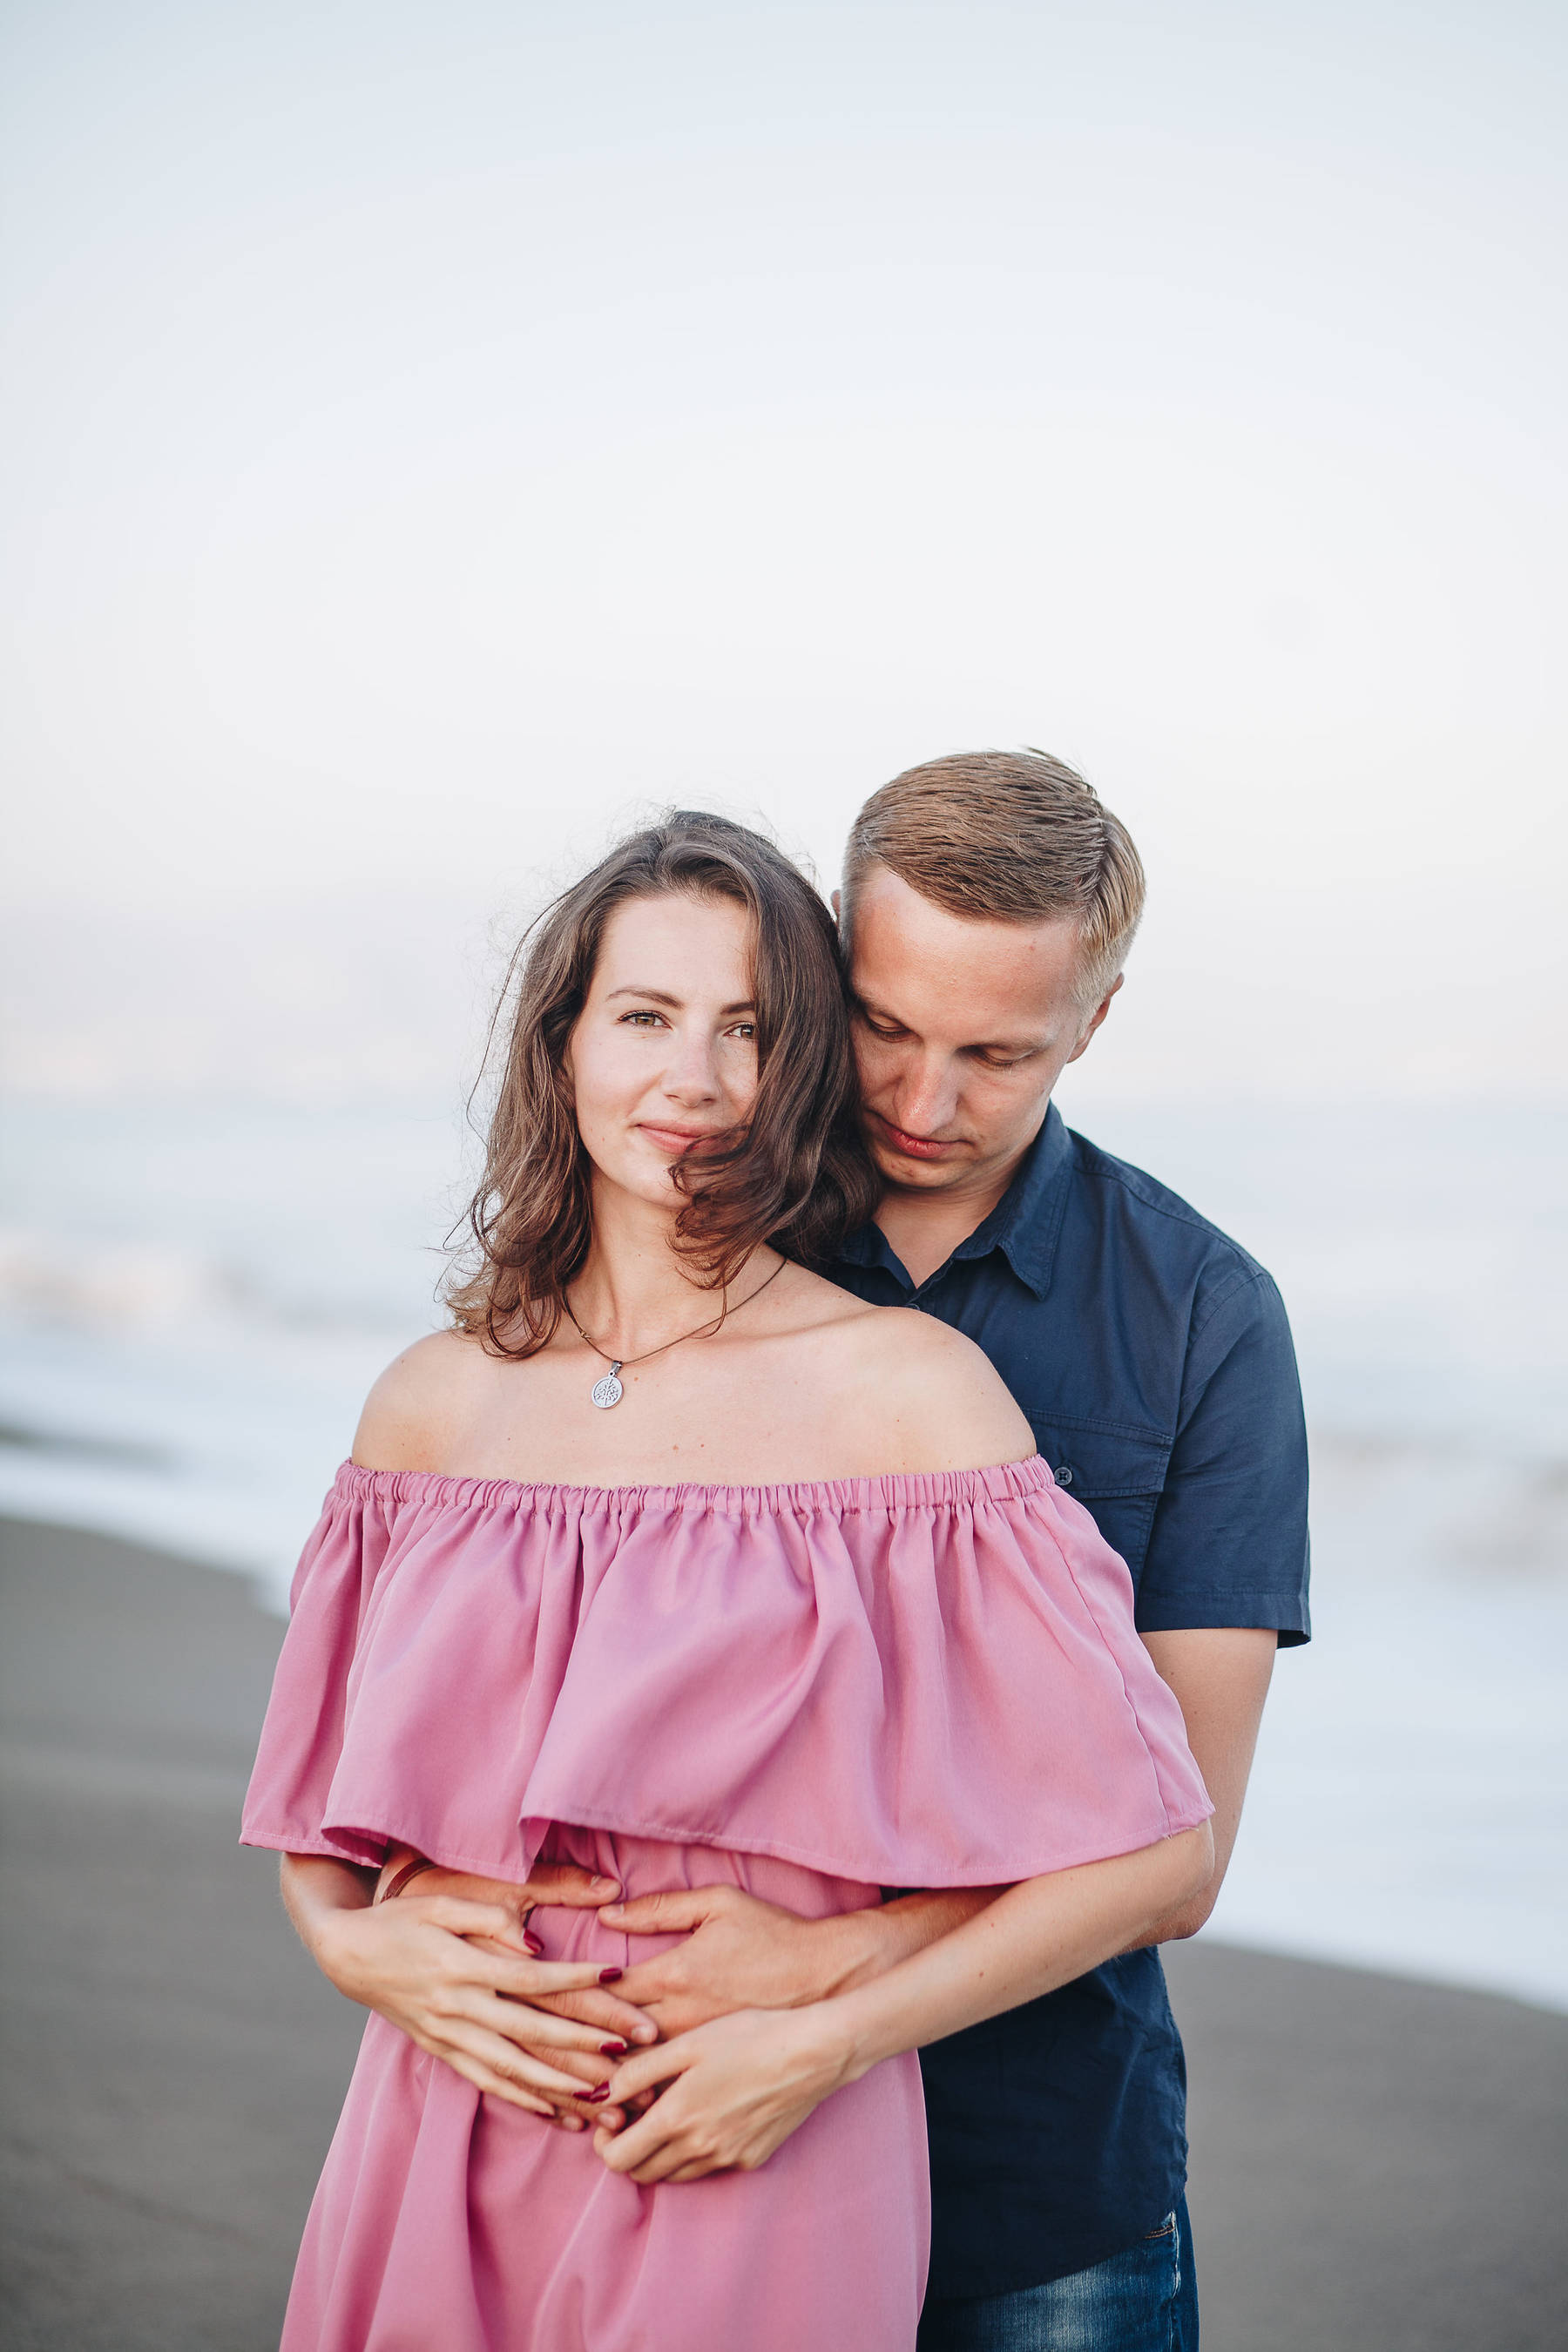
x=927 y=1095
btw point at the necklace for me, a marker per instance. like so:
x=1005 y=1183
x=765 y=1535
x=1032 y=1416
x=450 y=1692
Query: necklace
x=607 y=1390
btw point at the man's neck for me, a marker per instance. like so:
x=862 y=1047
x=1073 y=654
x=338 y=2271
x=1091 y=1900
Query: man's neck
x=924 y=1228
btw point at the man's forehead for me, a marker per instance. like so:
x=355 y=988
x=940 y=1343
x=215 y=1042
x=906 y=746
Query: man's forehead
x=888 y=914
x=974 y=984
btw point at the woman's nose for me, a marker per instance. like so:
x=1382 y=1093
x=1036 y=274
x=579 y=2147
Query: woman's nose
x=691 y=1075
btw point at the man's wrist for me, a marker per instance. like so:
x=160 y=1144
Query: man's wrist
x=833 y=2024
x=847 y=1950
x=858 y=1947
x=857 y=2032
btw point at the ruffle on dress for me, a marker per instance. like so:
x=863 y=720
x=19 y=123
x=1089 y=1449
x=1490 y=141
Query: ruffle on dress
x=907 y=1681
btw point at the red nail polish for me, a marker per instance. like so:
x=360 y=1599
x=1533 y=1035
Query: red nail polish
x=611 y=1976
x=591 y=2098
x=532 y=1944
x=612 y=2048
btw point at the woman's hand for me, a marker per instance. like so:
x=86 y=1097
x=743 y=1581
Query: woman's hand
x=448 y=1974
x=615 y=2024
x=736 y=2089
x=555 y=1885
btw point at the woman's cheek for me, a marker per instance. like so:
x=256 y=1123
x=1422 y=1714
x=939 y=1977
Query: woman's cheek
x=740 y=1080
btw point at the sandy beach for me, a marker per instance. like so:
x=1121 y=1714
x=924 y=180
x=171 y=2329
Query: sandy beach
x=1377 y=2166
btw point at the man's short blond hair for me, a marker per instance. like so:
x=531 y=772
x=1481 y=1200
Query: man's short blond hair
x=1006 y=837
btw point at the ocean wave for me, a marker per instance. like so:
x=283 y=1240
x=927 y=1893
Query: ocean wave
x=194 y=1304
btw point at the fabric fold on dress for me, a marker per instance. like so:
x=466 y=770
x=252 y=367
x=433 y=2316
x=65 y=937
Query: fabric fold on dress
x=911 y=1680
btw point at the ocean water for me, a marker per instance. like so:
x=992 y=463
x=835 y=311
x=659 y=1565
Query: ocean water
x=195 y=1294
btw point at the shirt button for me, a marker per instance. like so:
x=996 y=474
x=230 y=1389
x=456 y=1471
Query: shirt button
x=1062 y=1474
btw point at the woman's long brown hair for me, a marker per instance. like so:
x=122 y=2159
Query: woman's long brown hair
x=796 y=1174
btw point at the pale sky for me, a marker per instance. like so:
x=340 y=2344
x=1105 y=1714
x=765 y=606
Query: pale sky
x=434 y=434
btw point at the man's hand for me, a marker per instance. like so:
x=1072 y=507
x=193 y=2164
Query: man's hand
x=739 y=1953
x=736 y=2090
x=742 y=1953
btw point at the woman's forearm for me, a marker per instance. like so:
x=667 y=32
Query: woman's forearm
x=1040 y=1934
x=316 y=1888
x=456 y=1977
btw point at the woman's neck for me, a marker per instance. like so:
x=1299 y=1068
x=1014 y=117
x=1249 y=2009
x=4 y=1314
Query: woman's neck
x=635 y=1292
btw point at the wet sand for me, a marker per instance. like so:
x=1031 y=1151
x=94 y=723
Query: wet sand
x=1377 y=2166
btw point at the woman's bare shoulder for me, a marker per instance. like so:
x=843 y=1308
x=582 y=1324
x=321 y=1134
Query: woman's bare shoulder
x=933 y=1399
x=424 y=1396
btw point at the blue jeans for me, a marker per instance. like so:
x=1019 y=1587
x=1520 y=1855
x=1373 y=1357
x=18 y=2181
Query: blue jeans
x=1143 y=2300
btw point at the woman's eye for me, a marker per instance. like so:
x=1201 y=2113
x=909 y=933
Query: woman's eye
x=746 y=1030
x=642 y=1019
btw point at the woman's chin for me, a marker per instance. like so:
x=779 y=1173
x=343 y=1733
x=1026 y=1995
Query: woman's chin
x=646 y=1178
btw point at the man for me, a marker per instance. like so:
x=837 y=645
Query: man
x=988 y=904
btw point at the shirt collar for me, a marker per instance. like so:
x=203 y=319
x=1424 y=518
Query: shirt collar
x=1022 y=1225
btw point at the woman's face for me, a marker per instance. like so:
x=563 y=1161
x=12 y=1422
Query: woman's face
x=663 y=1056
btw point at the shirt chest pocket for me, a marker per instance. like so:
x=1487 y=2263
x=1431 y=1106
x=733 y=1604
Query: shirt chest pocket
x=1118 y=1476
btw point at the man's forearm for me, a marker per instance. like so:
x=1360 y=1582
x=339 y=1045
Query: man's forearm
x=858 y=1946
x=1220 y=1677
x=1039 y=1935
x=737 y=2085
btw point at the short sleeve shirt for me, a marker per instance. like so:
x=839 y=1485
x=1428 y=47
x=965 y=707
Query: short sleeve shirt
x=1153 y=1360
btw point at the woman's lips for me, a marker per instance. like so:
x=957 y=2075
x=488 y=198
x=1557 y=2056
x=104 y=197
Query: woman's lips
x=678 y=1138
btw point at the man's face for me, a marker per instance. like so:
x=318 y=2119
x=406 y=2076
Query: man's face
x=962 y=1029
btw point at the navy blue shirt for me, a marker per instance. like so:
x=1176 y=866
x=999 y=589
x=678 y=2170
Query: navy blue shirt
x=1153 y=1360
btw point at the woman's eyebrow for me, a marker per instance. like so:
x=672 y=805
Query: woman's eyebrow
x=662 y=996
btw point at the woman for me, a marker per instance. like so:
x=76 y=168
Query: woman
x=674 y=1561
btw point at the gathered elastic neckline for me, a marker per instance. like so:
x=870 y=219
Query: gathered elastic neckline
x=890 y=1490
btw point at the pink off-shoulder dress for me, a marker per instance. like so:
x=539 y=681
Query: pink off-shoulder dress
x=810 y=1691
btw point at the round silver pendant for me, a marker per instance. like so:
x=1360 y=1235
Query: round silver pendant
x=606 y=1392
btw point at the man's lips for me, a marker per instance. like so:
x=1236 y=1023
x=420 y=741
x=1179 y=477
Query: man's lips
x=914 y=1146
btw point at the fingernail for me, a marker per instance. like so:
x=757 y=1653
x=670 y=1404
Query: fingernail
x=611 y=1976
x=592 y=2098
x=532 y=1944
x=599 y=1879
x=612 y=2048
x=645 y=2033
